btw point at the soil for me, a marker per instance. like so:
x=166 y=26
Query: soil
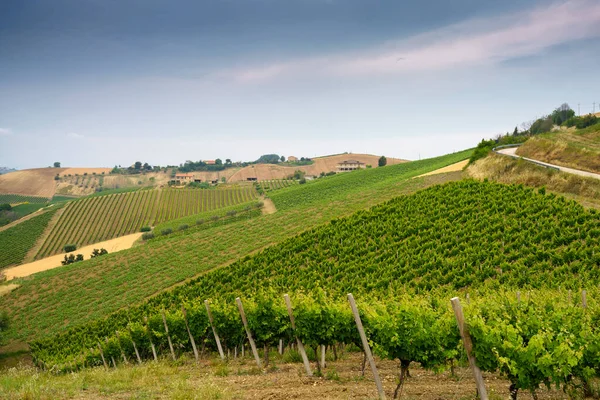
x=113 y=245
x=450 y=168
x=5 y=289
x=269 y=206
x=30 y=182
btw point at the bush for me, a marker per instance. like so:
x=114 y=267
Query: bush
x=5 y=207
x=302 y=181
x=586 y=121
x=145 y=229
x=69 y=248
x=166 y=231
x=215 y=217
x=70 y=259
x=231 y=213
x=199 y=222
x=260 y=204
x=148 y=235
x=98 y=253
x=382 y=161
x=183 y=227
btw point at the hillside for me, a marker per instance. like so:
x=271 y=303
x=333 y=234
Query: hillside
x=482 y=236
x=37 y=182
x=94 y=288
x=320 y=164
x=579 y=149
x=96 y=219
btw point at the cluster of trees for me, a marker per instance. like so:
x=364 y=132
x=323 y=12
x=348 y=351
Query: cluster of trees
x=6 y=214
x=561 y=116
x=219 y=165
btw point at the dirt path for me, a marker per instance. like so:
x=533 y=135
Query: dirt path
x=269 y=206
x=449 y=168
x=113 y=245
x=5 y=289
x=512 y=152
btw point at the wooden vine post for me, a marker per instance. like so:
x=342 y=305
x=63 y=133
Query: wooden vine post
x=168 y=336
x=248 y=333
x=121 y=347
x=216 y=335
x=584 y=299
x=366 y=347
x=137 y=353
x=192 y=341
x=102 y=355
x=150 y=338
x=301 y=350
x=466 y=338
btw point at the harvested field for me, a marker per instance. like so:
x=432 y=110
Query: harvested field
x=30 y=182
x=450 y=168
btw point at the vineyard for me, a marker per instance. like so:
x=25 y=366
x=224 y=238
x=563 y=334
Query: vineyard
x=18 y=198
x=325 y=189
x=96 y=219
x=270 y=185
x=431 y=245
x=531 y=341
x=16 y=241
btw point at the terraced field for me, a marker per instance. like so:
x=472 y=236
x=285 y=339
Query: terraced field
x=101 y=218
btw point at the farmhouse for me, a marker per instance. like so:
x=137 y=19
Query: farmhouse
x=292 y=158
x=184 y=177
x=349 y=165
x=210 y=162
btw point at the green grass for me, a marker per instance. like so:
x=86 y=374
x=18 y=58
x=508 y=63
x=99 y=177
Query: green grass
x=51 y=301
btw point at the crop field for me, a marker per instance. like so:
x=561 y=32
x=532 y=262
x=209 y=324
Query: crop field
x=275 y=184
x=348 y=184
x=403 y=260
x=16 y=241
x=18 y=198
x=96 y=219
x=72 y=295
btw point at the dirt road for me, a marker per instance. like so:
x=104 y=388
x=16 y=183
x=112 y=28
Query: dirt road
x=113 y=245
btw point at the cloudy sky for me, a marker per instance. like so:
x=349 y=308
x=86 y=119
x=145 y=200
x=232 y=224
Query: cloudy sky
x=105 y=82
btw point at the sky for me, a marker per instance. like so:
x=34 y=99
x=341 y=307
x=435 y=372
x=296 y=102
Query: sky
x=109 y=82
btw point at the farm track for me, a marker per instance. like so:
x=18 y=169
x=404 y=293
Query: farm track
x=512 y=152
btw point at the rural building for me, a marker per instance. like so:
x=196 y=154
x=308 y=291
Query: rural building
x=184 y=177
x=209 y=162
x=349 y=165
x=292 y=159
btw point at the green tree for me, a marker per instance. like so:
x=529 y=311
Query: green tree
x=228 y=161
x=137 y=165
x=218 y=161
x=4 y=323
x=561 y=114
x=5 y=207
x=56 y=164
x=382 y=161
x=282 y=158
x=516 y=131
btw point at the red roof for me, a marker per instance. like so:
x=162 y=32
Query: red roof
x=210 y=162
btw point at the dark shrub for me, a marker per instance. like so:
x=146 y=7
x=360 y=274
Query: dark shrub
x=145 y=229
x=183 y=227
x=166 y=231
x=148 y=235
x=70 y=247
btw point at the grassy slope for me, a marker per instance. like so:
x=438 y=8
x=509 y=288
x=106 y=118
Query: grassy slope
x=507 y=170
x=50 y=301
x=579 y=149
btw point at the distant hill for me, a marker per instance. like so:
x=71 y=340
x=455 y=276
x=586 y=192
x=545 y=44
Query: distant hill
x=6 y=170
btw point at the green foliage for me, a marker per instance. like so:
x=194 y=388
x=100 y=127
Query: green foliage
x=166 y=231
x=69 y=248
x=4 y=324
x=5 y=207
x=482 y=150
x=145 y=229
x=562 y=114
x=17 y=198
x=16 y=241
x=148 y=236
x=71 y=258
x=541 y=125
x=98 y=252
x=268 y=159
x=275 y=184
x=56 y=164
x=382 y=162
